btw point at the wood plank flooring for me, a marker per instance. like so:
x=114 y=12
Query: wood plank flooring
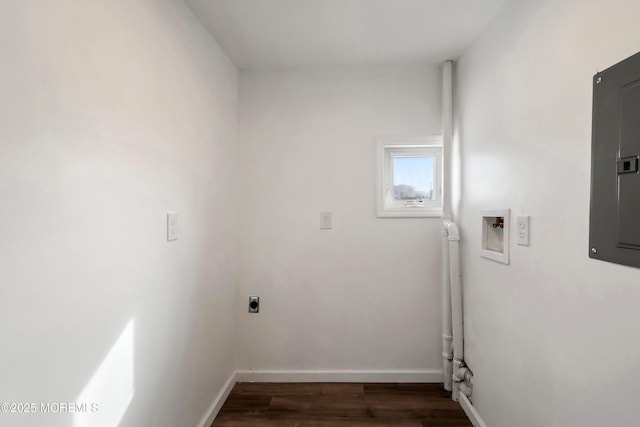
x=340 y=405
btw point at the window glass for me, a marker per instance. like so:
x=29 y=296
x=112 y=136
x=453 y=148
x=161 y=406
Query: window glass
x=413 y=178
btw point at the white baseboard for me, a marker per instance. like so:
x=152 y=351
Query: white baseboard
x=310 y=376
x=213 y=410
x=471 y=412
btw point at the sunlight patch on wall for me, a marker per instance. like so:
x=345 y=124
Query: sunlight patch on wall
x=111 y=387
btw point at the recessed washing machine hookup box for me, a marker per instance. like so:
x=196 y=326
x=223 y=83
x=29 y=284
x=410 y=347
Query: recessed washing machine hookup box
x=614 y=225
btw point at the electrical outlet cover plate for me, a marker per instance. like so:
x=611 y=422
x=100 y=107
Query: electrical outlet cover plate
x=523 y=230
x=172 y=226
x=326 y=221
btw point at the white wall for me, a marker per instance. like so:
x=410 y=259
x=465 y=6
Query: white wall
x=364 y=295
x=552 y=338
x=113 y=113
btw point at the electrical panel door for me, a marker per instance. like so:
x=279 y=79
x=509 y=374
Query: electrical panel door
x=614 y=229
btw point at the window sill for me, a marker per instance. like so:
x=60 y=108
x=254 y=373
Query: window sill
x=410 y=213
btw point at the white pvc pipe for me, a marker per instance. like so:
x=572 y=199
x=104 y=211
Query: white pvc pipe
x=447 y=332
x=447 y=137
x=467 y=376
x=456 y=306
x=457 y=377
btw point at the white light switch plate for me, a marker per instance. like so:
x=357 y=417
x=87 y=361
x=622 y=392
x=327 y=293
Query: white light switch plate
x=326 y=221
x=523 y=230
x=172 y=226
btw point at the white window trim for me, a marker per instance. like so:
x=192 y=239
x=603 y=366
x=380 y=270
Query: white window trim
x=386 y=147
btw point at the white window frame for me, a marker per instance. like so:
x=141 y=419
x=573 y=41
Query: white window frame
x=388 y=149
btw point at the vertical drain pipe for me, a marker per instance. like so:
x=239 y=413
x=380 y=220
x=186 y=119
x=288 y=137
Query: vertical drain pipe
x=447 y=217
x=447 y=138
x=457 y=377
x=456 y=309
x=447 y=328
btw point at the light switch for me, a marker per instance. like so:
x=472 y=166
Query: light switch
x=172 y=226
x=326 y=222
x=523 y=230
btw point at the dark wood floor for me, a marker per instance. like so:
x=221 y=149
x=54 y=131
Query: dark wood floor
x=340 y=405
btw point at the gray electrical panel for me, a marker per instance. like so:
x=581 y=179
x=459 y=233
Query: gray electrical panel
x=614 y=227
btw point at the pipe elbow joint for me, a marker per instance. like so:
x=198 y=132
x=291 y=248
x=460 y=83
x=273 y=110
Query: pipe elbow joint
x=453 y=231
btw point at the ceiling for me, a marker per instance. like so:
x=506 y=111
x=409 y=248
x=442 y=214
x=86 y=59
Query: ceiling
x=259 y=34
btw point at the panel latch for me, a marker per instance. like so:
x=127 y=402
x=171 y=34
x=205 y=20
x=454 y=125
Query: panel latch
x=628 y=165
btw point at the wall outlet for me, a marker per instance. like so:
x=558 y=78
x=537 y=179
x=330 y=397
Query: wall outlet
x=523 y=230
x=254 y=304
x=326 y=221
x=172 y=226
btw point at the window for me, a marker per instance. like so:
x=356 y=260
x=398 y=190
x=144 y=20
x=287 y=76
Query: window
x=410 y=178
